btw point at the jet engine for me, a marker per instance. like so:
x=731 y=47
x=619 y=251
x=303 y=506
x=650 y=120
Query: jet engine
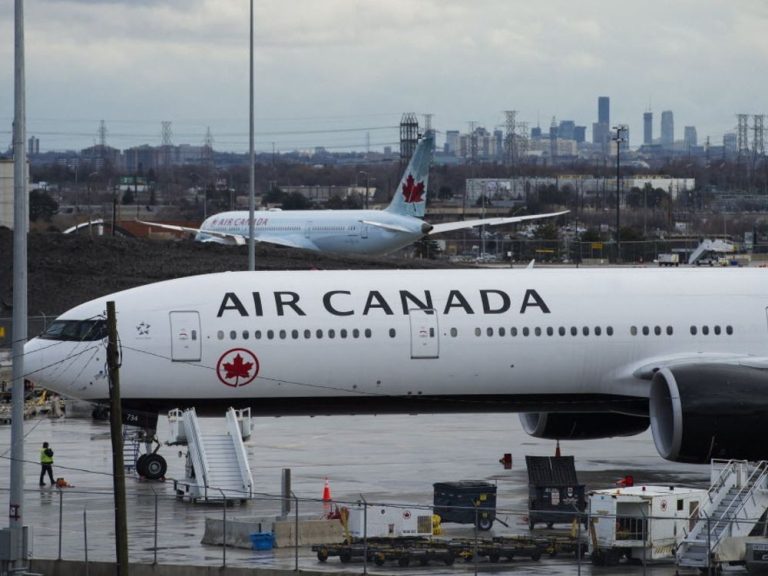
x=704 y=411
x=582 y=426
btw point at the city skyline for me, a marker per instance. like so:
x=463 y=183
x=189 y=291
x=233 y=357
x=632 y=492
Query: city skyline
x=341 y=74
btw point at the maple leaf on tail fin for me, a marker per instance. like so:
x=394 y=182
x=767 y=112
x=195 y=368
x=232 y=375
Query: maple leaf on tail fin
x=412 y=192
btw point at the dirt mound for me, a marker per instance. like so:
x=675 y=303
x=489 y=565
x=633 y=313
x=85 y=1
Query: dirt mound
x=66 y=270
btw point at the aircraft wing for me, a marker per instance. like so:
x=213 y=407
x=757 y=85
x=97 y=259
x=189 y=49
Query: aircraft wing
x=450 y=226
x=219 y=237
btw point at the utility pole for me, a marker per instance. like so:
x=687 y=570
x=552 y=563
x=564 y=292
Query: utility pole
x=251 y=173
x=619 y=138
x=116 y=432
x=17 y=551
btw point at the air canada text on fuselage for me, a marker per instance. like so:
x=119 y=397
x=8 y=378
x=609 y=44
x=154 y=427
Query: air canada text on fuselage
x=370 y=302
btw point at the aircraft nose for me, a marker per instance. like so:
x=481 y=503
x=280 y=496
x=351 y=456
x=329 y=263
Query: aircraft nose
x=426 y=228
x=34 y=359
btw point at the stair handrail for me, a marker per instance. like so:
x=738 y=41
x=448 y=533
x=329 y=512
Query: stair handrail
x=196 y=448
x=235 y=433
x=713 y=493
x=749 y=486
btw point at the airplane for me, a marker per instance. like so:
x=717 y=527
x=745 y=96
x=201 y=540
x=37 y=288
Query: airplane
x=580 y=353
x=371 y=232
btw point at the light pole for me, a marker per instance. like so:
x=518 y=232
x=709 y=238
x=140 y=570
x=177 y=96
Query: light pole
x=619 y=139
x=365 y=200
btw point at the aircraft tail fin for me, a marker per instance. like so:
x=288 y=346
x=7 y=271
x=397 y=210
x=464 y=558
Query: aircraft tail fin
x=410 y=198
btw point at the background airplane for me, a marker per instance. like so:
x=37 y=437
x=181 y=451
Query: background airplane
x=373 y=232
x=589 y=353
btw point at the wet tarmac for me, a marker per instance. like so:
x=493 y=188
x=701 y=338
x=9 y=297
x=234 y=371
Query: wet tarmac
x=392 y=459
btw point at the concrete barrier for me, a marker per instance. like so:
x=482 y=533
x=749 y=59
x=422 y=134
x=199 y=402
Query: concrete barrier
x=77 y=568
x=239 y=531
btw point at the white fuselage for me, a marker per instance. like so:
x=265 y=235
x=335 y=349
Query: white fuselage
x=331 y=231
x=358 y=341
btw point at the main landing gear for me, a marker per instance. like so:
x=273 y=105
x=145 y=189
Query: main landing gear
x=151 y=465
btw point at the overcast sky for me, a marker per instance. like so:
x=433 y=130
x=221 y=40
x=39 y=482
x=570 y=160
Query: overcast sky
x=339 y=72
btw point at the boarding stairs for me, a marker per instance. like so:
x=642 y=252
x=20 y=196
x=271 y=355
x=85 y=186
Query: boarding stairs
x=707 y=245
x=217 y=463
x=736 y=500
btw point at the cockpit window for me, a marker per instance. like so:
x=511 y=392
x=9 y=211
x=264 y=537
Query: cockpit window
x=76 y=330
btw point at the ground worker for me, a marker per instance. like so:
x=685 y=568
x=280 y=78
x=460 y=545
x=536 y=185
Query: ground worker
x=46 y=463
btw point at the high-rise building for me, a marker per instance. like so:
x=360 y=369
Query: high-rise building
x=604 y=110
x=648 y=128
x=33 y=145
x=452 y=141
x=690 y=138
x=601 y=129
x=566 y=130
x=580 y=134
x=667 y=129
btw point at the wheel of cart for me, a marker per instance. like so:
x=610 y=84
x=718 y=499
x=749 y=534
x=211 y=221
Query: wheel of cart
x=322 y=554
x=345 y=556
x=379 y=559
x=449 y=559
x=484 y=522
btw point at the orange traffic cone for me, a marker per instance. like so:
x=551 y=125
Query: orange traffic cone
x=327 y=491
x=557 y=450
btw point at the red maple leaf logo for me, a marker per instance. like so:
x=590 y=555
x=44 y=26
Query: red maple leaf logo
x=237 y=368
x=412 y=192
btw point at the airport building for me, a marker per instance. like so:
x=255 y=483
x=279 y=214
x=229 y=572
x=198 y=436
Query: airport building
x=6 y=193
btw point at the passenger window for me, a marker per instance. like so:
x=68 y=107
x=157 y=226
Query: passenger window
x=245 y=335
x=319 y=334
x=585 y=330
x=657 y=330
x=717 y=329
x=669 y=330
x=526 y=331
x=194 y=334
x=501 y=332
x=633 y=330
x=368 y=333
x=295 y=334
x=550 y=331
x=391 y=332
x=270 y=334
x=705 y=330
x=454 y=332
x=282 y=334
x=307 y=334
x=513 y=331
x=537 y=331
x=561 y=330
x=478 y=332
x=693 y=330
x=729 y=330
x=646 y=331
x=232 y=335
x=343 y=332
x=489 y=331
x=257 y=334
x=331 y=333
x=598 y=330
x=355 y=333
x=220 y=334
x=609 y=330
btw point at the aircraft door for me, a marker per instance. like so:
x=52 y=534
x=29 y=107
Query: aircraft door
x=425 y=342
x=364 y=231
x=186 y=343
x=307 y=228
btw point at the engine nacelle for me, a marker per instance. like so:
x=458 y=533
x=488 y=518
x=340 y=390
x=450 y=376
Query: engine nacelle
x=581 y=426
x=704 y=411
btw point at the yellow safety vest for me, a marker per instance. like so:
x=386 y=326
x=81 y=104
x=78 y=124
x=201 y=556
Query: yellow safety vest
x=44 y=458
